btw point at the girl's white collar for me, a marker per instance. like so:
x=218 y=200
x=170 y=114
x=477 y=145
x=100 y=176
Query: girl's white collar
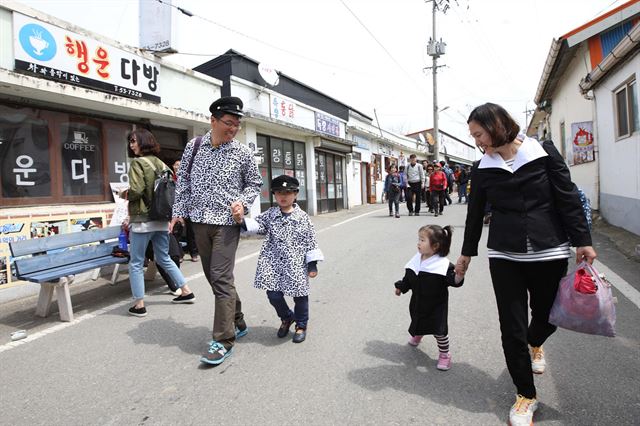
x=435 y=264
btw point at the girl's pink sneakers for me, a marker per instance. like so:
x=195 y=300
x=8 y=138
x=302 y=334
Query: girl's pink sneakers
x=444 y=361
x=415 y=340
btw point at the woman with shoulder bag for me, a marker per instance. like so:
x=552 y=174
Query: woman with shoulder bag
x=142 y=145
x=536 y=216
x=392 y=187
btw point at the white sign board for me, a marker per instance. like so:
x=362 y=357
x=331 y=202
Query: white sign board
x=58 y=54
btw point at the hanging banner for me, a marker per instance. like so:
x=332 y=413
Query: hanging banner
x=582 y=143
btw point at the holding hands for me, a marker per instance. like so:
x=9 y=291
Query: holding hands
x=462 y=265
x=237 y=211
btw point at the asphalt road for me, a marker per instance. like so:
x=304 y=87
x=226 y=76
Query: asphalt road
x=354 y=368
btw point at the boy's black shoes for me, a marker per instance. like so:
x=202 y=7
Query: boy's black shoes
x=284 y=328
x=299 y=335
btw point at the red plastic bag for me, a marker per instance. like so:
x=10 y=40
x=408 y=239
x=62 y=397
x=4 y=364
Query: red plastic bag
x=584 y=303
x=584 y=282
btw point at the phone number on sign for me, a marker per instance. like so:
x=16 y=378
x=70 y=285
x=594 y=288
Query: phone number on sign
x=125 y=91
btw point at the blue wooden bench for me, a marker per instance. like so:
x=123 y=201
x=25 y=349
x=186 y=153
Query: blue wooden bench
x=51 y=261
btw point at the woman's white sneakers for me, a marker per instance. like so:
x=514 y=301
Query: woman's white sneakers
x=538 y=362
x=521 y=413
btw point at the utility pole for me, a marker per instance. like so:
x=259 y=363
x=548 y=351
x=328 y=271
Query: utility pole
x=435 y=49
x=527 y=113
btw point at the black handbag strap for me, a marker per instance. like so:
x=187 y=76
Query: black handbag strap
x=196 y=147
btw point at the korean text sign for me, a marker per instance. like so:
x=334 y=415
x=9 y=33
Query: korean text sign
x=58 y=54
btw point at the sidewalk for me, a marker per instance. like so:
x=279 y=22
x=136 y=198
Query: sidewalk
x=17 y=304
x=626 y=242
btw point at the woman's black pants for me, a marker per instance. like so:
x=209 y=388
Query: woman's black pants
x=514 y=283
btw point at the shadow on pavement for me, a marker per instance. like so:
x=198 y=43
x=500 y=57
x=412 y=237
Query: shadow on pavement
x=464 y=386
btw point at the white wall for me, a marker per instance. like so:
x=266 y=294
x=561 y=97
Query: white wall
x=570 y=106
x=619 y=159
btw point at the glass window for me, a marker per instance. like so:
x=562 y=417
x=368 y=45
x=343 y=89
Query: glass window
x=626 y=104
x=24 y=153
x=621 y=105
x=263 y=149
x=276 y=154
x=287 y=150
x=633 y=105
x=81 y=149
x=117 y=164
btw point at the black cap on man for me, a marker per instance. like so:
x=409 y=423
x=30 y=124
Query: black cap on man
x=228 y=105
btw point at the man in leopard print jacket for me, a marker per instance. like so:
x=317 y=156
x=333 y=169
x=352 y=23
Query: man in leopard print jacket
x=217 y=174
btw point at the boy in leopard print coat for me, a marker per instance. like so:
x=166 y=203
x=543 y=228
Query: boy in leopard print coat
x=288 y=256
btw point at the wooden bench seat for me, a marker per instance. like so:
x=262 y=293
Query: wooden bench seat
x=50 y=260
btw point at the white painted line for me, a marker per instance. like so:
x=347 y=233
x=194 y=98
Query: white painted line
x=349 y=220
x=620 y=284
x=61 y=326
x=117 y=305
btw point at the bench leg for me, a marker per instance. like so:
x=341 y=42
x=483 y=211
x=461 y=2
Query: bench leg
x=64 y=302
x=95 y=274
x=44 y=299
x=114 y=276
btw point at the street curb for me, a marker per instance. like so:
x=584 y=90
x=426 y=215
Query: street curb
x=626 y=242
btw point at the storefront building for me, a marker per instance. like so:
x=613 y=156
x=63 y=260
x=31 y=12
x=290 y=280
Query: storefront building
x=374 y=152
x=68 y=98
x=294 y=130
x=454 y=151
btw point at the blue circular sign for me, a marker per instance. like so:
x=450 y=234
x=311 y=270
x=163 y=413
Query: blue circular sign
x=38 y=42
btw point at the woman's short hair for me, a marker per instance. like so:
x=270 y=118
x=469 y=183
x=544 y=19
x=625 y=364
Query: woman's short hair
x=502 y=128
x=146 y=141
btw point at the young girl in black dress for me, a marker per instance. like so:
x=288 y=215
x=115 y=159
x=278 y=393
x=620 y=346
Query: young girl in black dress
x=428 y=275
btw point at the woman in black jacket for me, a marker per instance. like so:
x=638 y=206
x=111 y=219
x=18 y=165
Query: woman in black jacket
x=536 y=216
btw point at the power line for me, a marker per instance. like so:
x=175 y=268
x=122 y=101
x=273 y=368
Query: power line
x=382 y=46
x=195 y=15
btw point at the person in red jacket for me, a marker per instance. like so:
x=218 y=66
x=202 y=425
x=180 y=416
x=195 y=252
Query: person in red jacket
x=437 y=187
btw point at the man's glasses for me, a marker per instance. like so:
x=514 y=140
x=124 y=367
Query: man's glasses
x=231 y=124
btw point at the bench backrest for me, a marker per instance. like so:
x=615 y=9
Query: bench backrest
x=37 y=263
x=54 y=242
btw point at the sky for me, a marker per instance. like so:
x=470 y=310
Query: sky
x=369 y=54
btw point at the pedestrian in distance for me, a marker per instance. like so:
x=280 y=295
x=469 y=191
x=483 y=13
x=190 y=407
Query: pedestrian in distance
x=217 y=175
x=392 y=187
x=438 y=189
x=288 y=257
x=450 y=178
x=415 y=181
x=536 y=216
x=403 y=183
x=463 y=178
x=427 y=183
x=428 y=275
x=142 y=145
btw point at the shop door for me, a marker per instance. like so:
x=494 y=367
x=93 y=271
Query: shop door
x=371 y=184
x=329 y=182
